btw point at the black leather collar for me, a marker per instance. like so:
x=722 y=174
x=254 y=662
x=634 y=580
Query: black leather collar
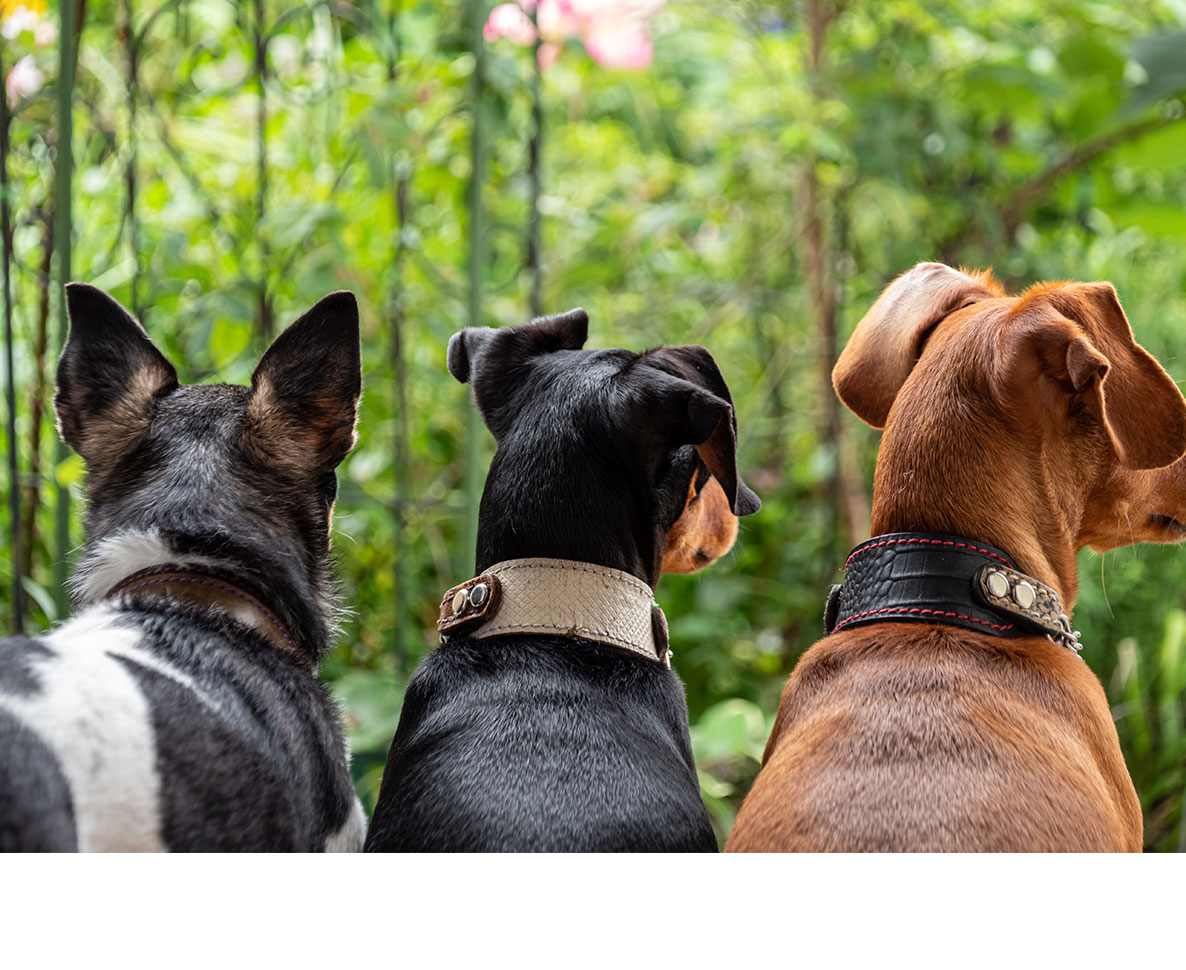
x=927 y=578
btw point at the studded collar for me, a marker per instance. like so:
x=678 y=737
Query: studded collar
x=560 y=597
x=928 y=578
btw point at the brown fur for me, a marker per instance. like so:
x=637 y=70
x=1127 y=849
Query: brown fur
x=285 y=439
x=1035 y=424
x=113 y=428
x=704 y=532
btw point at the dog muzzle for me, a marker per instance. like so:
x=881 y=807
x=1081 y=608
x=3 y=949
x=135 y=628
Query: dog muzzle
x=925 y=578
x=558 y=597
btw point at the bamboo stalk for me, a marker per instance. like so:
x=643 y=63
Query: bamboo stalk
x=534 y=165
x=264 y=318
x=14 y=486
x=477 y=260
x=397 y=314
x=67 y=53
x=40 y=394
x=132 y=54
x=819 y=257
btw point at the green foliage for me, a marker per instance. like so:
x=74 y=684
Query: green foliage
x=1044 y=138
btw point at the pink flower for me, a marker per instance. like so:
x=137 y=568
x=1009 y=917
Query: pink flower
x=615 y=32
x=508 y=20
x=24 y=79
x=619 y=43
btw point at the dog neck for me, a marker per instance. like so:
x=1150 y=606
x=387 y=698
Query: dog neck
x=209 y=590
x=940 y=474
x=927 y=578
x=112 y=563
x=573 y=518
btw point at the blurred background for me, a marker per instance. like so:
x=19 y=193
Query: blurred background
x=746 y=175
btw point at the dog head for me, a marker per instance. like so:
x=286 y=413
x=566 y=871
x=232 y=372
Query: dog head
x=208 y=472
x=628 y=460
x=1041 y=409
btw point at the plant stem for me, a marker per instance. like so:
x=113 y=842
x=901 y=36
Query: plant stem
x=477 y=261
x=14 y=487
x=67 y=54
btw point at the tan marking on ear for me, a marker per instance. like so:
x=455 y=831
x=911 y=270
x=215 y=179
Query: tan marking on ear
x=704 y=532
x=317 y=441
x=103 y=438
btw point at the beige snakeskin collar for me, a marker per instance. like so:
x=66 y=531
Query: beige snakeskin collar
x=558 y=597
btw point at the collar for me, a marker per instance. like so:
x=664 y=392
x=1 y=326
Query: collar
x=210 y=590
x=928 y=578
x=558 y=596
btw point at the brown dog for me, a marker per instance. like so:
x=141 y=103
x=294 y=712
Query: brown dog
x=1037 y=425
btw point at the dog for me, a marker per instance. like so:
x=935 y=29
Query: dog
x=547 y=720
x=180 y=709
x=949 y=710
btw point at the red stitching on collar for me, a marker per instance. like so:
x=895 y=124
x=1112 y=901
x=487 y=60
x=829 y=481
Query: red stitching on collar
x=920 y=612
x=932 y=542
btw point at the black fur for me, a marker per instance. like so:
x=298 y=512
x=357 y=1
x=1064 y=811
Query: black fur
x=249 y=748
x=540 y=743
x=44 y=823
x=254 y=759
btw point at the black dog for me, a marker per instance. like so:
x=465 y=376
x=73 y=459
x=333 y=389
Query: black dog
x=180 y=709
x=557 y=742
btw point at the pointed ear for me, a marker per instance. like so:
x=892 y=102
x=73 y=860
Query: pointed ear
x=1138 y=403
x=304 y=393
x=888 y=341
x=561 y=331
x=109 y=375
x=703 y=412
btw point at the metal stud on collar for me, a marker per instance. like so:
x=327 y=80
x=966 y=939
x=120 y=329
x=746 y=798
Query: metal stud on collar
x=1016 y=594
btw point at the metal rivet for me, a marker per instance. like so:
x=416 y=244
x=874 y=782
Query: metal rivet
x=1024 y=595
x=998 y=584
x=459 y=601
x=477 y=595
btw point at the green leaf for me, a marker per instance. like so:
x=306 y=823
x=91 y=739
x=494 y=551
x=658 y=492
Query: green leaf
x=227 y=341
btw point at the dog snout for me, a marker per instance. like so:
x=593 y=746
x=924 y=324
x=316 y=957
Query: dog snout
x=704 y=532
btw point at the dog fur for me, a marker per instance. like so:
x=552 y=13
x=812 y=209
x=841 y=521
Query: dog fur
x=150 y=723
x=1035 y=424
x=544 y=743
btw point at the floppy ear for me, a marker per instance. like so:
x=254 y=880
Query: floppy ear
x=561 y=331
x=305 y=390
x=109 y=375
x=1138 y=403
x=888 y=341
x=703 y=410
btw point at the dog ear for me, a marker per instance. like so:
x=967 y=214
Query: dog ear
x=703 y=413
x=109 y=375
x=889 y=339
x=1138 y=403
x=305 y=390
x=544 y=335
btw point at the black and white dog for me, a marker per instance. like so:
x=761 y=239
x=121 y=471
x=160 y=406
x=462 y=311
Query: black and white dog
x=549 y=720
x=180 y=708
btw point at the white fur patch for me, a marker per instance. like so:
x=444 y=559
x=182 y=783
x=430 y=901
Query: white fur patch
x=92 y=714
x=115 y=558
x=351 y=835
